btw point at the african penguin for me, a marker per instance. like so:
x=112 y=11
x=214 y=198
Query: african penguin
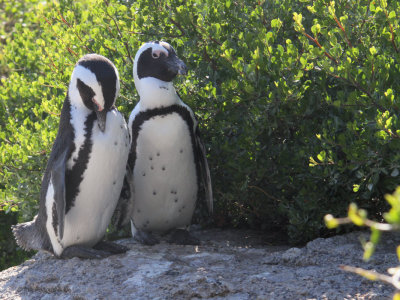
x=85 y=171
x=167 y=161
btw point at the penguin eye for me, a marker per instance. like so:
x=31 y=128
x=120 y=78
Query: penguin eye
x=156 y=55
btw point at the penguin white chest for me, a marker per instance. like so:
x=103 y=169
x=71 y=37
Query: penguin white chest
x=165 y=180
x=87 y=220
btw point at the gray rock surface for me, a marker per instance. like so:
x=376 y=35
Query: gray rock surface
x=230 y=264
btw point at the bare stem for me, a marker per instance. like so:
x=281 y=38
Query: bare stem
x=371 y=275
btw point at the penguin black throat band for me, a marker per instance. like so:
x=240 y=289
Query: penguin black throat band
x=163 y=111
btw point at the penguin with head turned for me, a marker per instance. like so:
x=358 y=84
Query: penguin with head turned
x=167 y=162
x=85 y=171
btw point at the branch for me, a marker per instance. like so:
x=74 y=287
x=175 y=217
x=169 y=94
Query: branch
x=392 y=32
x=355 y=84
x=319 y=45
x=366 y=222
x=179 y=26
x=371 y=275
x=76 y=34
x=120 y=34
x=344 y=31
x=210 y=60
x=264 y=192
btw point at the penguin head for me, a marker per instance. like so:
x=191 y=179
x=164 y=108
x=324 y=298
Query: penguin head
x=157 y=62
x=94 y=86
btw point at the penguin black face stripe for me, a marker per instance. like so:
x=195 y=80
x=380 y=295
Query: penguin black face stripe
x=163 y=65
x=105 y=75
x=86 y=93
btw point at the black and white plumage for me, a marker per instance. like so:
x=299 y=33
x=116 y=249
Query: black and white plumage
x=167 y=160
x=84 y=174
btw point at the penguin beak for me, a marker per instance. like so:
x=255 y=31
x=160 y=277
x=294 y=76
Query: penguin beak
x=182 y=69
x=101 y=119
x=177 y=66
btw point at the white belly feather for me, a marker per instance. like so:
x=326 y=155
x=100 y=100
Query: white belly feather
x=165 y=181
x=86 y=222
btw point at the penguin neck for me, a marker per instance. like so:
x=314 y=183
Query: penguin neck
x=155 y=93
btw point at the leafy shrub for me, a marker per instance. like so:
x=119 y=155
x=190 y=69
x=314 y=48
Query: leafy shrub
x=10 y=254
x=297 y=99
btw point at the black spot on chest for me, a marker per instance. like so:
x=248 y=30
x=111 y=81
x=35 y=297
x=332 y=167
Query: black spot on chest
x=147 y=115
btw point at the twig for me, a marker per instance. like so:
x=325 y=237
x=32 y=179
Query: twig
x=179 y=26
x=371 y=275
x=52 y=62
x=368 y=223
x=264 y=192
x=392 y=32
x=344 y=31
x=76 y=34
x=210 y=60
x=47 y=21
x=72 y=51
x=367 y=13
x=319 y=46
x=355 y=84
x=120 y=34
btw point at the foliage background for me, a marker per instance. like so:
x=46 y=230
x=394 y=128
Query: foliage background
x=298 y=99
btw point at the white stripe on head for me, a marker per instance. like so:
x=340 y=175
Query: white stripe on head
x=118 y=85
x=88 y=78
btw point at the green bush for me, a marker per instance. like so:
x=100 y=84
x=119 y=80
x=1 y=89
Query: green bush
x=298 y=99
x=10 y=254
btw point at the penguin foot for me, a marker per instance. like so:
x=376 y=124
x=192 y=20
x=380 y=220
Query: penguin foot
x=84 y=252
x=145 y=238
x=183 y=237
x=110 y=247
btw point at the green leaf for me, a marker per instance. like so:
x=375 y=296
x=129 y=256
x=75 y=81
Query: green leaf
x=276 y=23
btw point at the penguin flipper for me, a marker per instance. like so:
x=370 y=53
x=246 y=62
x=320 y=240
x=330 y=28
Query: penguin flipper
x=58 y=181
x=205 y=171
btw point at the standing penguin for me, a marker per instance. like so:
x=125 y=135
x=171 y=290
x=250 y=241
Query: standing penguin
x=85 y=171
x=167 y=161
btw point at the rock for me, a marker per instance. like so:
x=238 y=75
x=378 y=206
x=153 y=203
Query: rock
x=292 y=255
x=231 y=264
